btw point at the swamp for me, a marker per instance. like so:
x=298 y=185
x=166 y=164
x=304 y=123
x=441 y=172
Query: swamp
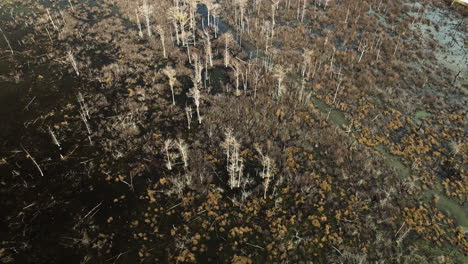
x=233 y=131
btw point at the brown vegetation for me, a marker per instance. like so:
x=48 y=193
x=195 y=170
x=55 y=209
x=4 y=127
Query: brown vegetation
x=264 y=175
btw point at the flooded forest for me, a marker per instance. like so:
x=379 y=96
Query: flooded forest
x=233 y=131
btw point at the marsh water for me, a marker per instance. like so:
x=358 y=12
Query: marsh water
x=28 y=91
x=19 y=94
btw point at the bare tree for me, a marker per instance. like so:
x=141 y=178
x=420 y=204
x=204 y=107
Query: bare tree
x=196 y=95
x=181 y=16
x=267 y=30
x=215 y=11
x=274 y=7
x=140 y=32
x=304 y=4
x=188 y=113
x=71 y=58
x=362 y=48
x=267 y=171
x=54 y=138
x=172 y=13
x=72 y=8
x=146 y=10
x=171 y=73
x=84 y=113
x=256 y=77
x=228 y=39
x=198 y=69
x=236 y=66
x=167 y=147
x=234 y=163
x=336 y=92
x=33 y=161
x=242 y=4
x=55 y=141
x=183 y=150
x=209 y=4
x=208 y=50
x=8 y=42
x=280 y=74
x=160 y=31
x=192 y=4
x=307 y=63
x=51 y=20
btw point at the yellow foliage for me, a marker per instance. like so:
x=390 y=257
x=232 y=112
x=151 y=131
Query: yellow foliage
x=151 y=196
x=315 y=223
x=241 y=260
x=325 y=186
